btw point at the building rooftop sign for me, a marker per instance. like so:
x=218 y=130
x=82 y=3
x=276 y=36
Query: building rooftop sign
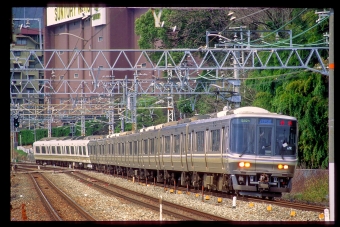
x=58 y=15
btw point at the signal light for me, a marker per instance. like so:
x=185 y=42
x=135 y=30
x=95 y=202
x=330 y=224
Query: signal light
x=16 y=122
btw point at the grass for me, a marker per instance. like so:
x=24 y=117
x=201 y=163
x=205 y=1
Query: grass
x=311 y=186
x=20 y=155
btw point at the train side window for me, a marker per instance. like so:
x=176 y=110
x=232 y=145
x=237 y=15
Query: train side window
x=215 y=140
x=43 y=150
x=67 y=149
x=135 y=148
x=53 y=149
x=37 y=149
x=80 y=150
x=58 y=150
x=161 y=144
x=72 y=149
x=123 y=148
x=176 y=144
x=167 y=140
x=152 y=146
x=145 y=146
x=183 y=144
x=200 y=141
x=130 y=148
x=189 y=141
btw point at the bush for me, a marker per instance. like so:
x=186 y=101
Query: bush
x=310 y=185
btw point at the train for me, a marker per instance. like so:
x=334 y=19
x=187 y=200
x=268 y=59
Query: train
x=248 y=151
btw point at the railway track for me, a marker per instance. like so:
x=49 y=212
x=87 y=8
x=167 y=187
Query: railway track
x=279 y=202
x=60 y=206
x=180 y=212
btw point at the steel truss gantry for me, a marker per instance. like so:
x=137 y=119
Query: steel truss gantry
x=162 y=72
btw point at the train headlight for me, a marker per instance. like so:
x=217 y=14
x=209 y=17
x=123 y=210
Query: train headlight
x=280 y=166
x=244 y=164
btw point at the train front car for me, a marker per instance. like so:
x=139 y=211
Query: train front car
x=261 y=152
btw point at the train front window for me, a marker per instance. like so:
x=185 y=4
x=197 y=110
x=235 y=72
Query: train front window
x=242 y=136
x=286 y=137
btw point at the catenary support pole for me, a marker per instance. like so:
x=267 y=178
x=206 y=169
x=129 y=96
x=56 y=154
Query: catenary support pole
x=331 y=167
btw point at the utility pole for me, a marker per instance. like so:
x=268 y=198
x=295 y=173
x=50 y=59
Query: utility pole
x=331 y=118
x=236 y=71
x=331 y=164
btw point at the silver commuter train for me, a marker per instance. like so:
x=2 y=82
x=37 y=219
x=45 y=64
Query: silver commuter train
x=248 y=151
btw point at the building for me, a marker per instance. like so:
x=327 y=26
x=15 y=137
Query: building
x=86 y=28
x=69 y=28
x=25 y=37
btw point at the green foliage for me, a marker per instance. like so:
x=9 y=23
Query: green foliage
x=27 y=136
x=300 y=94
x=311 y=189
x=190 y=33
x=184 y=106
x=305 y=97
x=21 y=153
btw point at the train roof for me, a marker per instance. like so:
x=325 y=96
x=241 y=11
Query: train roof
x=248 y=110
x=57 y=142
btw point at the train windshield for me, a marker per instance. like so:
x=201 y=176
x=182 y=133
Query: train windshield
x=263 y=136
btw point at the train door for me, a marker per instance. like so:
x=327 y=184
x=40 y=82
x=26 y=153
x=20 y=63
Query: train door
x=213 y=148
x=110 y=151
x=167 y=139
x=129 y=157
x=190 y=150
x=176 y=157
x=182 y=152
x=154 y=152
x=123 y=152
x=144 y=152
x=107 y=152
x=185 y=150
x=118 y=152
x=199 y=148
x=139 y=152
x=159 y=150
x=153 y=159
